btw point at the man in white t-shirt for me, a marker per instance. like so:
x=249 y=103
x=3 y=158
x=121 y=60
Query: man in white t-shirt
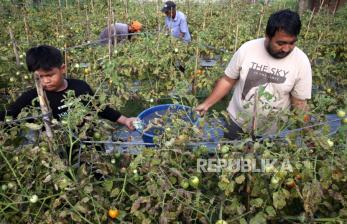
x=270 y=75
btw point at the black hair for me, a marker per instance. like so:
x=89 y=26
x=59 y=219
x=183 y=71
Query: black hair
x=283 y=20
x=43 y=57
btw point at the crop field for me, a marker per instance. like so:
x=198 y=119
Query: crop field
x=95 y=171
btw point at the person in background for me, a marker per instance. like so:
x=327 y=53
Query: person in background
x=47 y=63
x=272 y=65
x=120 y=32
x=176 y=22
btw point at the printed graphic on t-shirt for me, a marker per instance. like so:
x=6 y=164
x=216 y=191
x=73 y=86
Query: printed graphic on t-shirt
x=63 y=110
x=262 y=74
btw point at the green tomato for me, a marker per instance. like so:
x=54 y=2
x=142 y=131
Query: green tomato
x=275 y=180
x=344 y=120
x=341 y=113
x=97 y=135
x=4 y=187
x=184 y=184
x=330 y=143
x=221 y=221
x=224 y=149
x=117 y=155
x=34 y=198
x=11 y=185
x=194 y=181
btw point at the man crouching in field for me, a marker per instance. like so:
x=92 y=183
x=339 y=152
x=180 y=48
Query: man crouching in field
x=47 y=63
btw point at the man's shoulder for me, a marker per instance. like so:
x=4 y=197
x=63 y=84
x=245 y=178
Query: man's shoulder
x=300 y=54
x=180 y=15
x=251 y=46
x=253 y=43
x=121 y=27
x=30 y=93
x=76 y=84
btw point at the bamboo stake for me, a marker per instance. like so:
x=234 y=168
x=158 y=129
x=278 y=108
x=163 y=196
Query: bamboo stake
x=260 y=20
x=126 y=9
x=26 y=27
x=65 y=60
x=14 y=46
x=61 y=15
x=336 y=5
x=45 y=108
x=114 y=30
x=92 y=5
x=87 y=26
x=109 y=30
x=197 y=57
x=157 y=17
x=321 y=5
x=236 y=37
x=309 y=23
x=254 y=118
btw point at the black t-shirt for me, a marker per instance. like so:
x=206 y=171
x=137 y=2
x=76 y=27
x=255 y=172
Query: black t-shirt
x=55 y=101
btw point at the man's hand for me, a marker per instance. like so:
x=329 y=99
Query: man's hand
x=202 y=109
x=127 y=121
x=299 y=104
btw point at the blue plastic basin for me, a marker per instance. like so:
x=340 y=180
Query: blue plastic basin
x=156 y=112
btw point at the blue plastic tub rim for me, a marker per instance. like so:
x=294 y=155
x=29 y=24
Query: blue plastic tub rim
x=162 y=107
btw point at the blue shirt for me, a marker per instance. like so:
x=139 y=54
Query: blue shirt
x=178 y=25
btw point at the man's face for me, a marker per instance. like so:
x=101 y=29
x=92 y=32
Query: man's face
x=53 y=79
x=280 y=45
x=171 y=13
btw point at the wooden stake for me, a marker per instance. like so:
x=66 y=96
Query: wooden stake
x=309 y=23
x=61 y=15
x=321 y=5
x=236 y=37
x=126 y=9
x=14 y=46
x=157 y=17
x=109 y=30
x=336 y=5
x=65 y=60
x=260 y=21
x=45 y=108
x=254 y=118
x=92 y=5
x=26 y=27
x=197 y=59
x=87 y=26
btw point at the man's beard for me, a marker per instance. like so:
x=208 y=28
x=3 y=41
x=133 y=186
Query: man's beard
x=277 y=55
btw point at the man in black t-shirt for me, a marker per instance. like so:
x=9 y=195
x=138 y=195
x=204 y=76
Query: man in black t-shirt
x=47 y=63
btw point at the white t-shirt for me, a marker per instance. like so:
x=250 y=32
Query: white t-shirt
x=274 y=80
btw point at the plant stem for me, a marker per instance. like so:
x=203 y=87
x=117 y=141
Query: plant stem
x=10 y=166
